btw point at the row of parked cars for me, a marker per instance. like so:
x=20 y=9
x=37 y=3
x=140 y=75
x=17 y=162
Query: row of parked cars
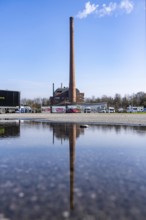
x=109 y=110
x=89 y=110
x=76 y=110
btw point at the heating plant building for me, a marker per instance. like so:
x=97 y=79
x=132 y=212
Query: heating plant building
x=68 y=95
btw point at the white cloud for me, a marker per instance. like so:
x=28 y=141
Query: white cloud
x=105 y=10
x=127 y=5
x=89 y=9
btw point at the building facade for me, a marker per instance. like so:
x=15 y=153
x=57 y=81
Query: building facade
x=61 y=96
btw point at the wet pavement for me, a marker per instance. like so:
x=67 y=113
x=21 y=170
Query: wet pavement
x=61 y=171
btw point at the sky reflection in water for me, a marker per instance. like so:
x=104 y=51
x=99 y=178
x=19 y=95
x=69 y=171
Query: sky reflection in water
x=62 y=171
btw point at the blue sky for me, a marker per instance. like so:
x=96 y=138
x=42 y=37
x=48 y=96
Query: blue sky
x=110 y=46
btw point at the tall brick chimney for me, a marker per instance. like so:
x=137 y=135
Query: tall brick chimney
x=72 y=86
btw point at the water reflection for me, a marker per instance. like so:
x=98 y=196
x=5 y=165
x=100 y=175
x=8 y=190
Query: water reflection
x=63 y=131
x=68 y=132
x=86 y=175
x=71 y=132
x=72 y=143
x=10 y=129
x=60 y=130
x=140 y=130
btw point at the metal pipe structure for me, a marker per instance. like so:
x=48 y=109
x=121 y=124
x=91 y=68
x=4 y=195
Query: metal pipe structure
x=53 y=89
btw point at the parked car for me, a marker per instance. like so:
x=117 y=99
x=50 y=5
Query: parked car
x=87 y=110
x=102 y=111
x=73 y=110
x=120 y=110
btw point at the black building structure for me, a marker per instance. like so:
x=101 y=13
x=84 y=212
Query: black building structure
x=9 y=98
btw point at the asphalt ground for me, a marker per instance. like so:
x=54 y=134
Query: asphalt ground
x=133 y=119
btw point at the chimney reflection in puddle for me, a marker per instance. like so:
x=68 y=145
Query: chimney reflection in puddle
x=70 y=132
x=72 y=144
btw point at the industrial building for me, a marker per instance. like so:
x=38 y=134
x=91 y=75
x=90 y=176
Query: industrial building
x=61 y=97
x=68 y=95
